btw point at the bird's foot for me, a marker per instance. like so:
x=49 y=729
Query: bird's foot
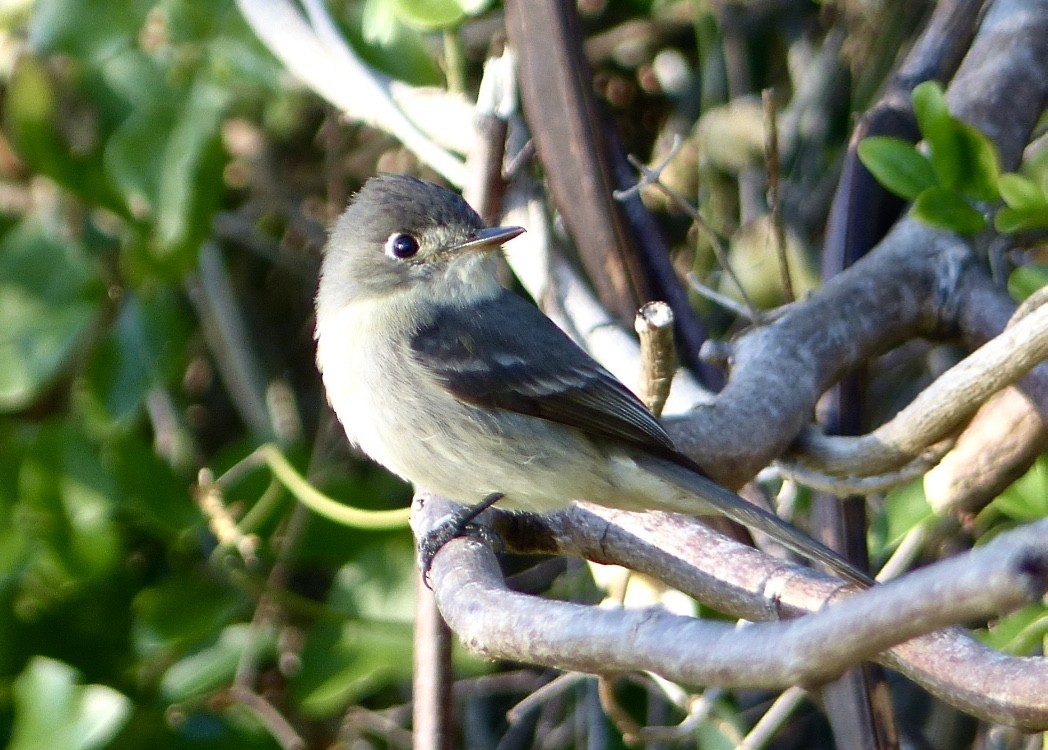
x=459 y=525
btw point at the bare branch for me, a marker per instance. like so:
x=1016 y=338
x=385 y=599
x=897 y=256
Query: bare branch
x=939 y=410
x=1006 y=435
x=498 y=623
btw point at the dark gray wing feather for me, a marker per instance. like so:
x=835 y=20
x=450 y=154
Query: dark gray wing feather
x=503 y=353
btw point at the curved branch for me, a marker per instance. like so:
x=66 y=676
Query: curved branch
x=1003 y=439
x=498 y=623
x=939 y=410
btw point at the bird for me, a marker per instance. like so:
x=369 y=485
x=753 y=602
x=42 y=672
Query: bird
x=467 y=390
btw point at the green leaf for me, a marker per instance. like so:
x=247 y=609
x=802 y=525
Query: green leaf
x=90 y=30
x=52 y=711
x=393 y=47
x=898 y=165
x=37 y=125
x=1011 y=220
x=1026 y=499
x=1020 y=192
x=1025 y=280
x=166 y=162
x=904 y=509
x=936 y=125
x=429 y=15
x=136 y=354
x=343 y=662
x=963 y=158
x=980 y=168
x=945 y=209
x=212 y=667
x=182 y=612
x=1020 y=632
x=49 y=298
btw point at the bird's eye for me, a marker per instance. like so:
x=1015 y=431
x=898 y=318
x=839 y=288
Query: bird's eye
x=402 y=246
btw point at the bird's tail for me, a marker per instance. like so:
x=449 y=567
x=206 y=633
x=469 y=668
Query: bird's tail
x=727 y=503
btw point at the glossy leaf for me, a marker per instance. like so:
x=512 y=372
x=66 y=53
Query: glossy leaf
x=52 y=711
x=1009 y=220
x=1021 y=192
x=946 y=209
x=963 y=158
x=897 y=165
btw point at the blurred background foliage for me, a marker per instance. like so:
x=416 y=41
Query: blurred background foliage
x=164 y=193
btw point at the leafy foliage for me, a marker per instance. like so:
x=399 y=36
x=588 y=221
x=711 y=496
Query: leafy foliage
x=137 y=132
x=956 y=180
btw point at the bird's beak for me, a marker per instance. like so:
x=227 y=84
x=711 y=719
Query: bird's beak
x=489 y=238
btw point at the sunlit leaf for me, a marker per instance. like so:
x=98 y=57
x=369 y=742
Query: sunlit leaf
x=1020 y=632
x=898 y=165
x=905 y=508
x=1021 y=192
x=52 y=711
x=429 y=15
x=1026 y=499
x=1009 y=220
x=215 y=665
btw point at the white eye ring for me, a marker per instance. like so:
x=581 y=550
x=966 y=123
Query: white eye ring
x=401 y=246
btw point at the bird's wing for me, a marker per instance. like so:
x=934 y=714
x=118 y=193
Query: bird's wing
x=503 y=353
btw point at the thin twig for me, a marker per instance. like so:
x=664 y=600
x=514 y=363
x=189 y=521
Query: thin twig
x=545 y=693
x=274 y=721
x=208 y=495
x=651 y=176
x=771 y=156
x=728 y=303
x=843 y=486
x=940 y=409
x=619 y=716
x=773 y=719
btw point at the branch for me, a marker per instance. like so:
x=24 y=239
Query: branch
x=498 y=623
x=939 y=410
x=1003 y=439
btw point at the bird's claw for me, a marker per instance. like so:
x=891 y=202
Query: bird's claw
x=459 y=525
